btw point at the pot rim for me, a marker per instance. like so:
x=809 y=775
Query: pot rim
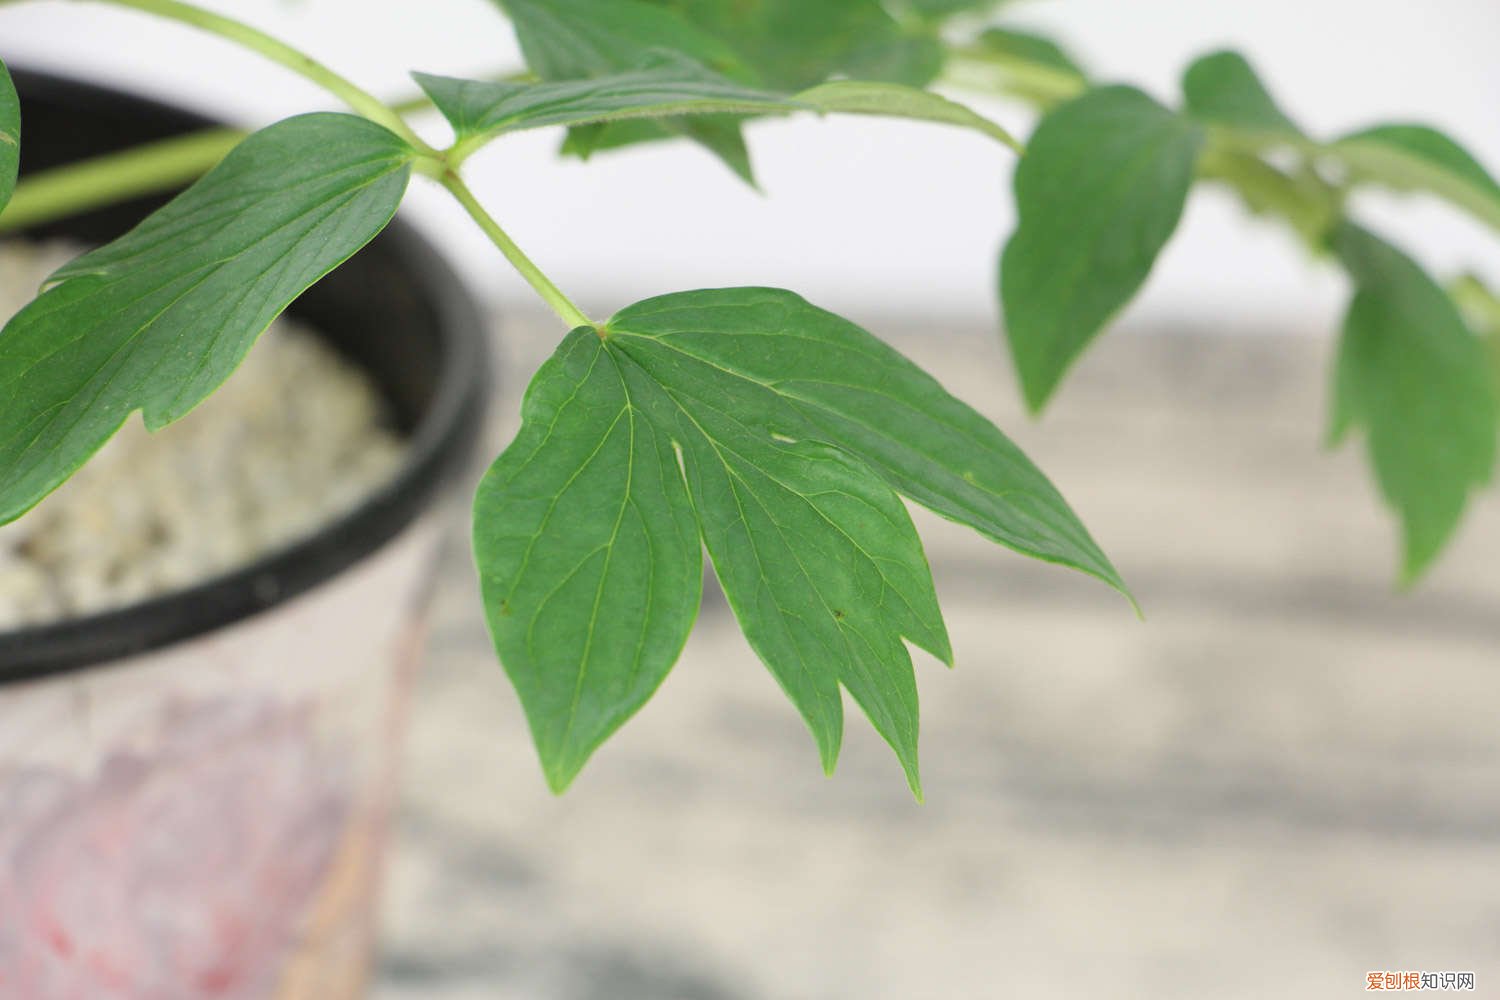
x=438 y=448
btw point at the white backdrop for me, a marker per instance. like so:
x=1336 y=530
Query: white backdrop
x=859 y=215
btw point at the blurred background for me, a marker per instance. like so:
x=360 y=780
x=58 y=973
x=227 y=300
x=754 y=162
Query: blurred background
x=1284 y=779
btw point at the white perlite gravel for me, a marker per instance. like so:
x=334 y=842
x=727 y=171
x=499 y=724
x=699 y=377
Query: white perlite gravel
x=294 y=438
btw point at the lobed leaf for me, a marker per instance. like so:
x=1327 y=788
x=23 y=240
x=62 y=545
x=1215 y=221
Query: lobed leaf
x=1419 y=158
x=10 y=136
x=158 y=319
x=588 y=555
x=1410 y=372
x=1223 y=89
x=894 y=100
x=782 y=435
x=1098 y=194
x=669 y=85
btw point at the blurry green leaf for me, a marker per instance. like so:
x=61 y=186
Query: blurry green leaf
x=10 y=136
x=671 y=85
x=1098 y=194
x=783 y=433
x=1030 y=47
x=1410 y=372
x=794 y=44
x=576 y=39
x=894 y=100
x=1223 y=89
x=588 y=555
x=939 y=9
x=1419 y=158
x=1032 y=67
x=573 y=39
x=159 y=318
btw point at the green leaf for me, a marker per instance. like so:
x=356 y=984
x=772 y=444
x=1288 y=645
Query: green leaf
x=1034 y=67
x=793 y=432
x=1099 y=192
x=793 y=44
x=940 y=9
x=588 y=555
x=672 y=85
x=577 y=39
x=1419 y=158
x=1410 y=372
x=159 y=318
x=853 y=390
x=1030 y=47
x=10 y=136
x=573 y=39
x=894 y=100
x=1223 y=89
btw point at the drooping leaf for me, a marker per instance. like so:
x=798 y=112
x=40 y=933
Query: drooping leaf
x=588 y=555
x=156 y=320
x=1419 y=158
x=1413 y=376
x=783 y=434
x=895 y=100
x=669 y=86
x=815 y=554
x=793 y=44
x=10 y=136
x=577 y=39
x=1098 y=194
x=1223 y=89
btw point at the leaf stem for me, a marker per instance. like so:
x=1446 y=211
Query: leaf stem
x=549 y=292
x=160 y=166
x=357 y=98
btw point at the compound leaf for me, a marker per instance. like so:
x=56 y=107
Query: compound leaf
x=669 y=85
x=782 y=435
x=1419 y=158
x=158 y=319
x=1098 y=194
x=1410 y=372
x=1223 y=89
x=10 y=136
x=588 y=555
x=895 y=100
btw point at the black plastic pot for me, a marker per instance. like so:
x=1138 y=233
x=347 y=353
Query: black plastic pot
x=395 y=309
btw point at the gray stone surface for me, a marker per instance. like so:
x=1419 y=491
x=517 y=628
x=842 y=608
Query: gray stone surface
x=1284 y=778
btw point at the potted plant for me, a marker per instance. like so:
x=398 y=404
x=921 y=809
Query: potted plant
x=748 y=422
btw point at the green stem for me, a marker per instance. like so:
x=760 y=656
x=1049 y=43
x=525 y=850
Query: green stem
x=160 y=166
x=549 y=292
x=362 y=101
